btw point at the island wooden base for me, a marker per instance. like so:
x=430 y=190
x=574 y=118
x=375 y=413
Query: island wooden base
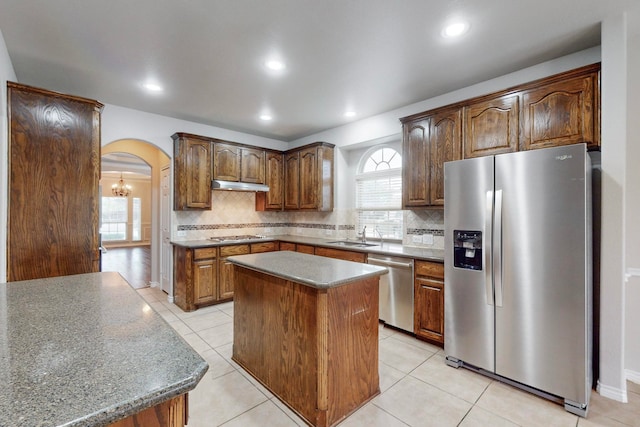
x=315 y=349
x=172 y=413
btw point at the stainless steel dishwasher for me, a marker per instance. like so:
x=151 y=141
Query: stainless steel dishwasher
x=396 y=291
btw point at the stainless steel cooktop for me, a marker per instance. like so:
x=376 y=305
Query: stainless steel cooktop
x=237 y=238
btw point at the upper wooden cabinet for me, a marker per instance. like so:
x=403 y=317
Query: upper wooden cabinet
x=274 y=178
x=308 y=178
x=235 y=163
x=558 y=110
x=192 y=172
x=491 y=126
x=561 y=113
x=415 y=163
x=445 y=145
x=226 y=162
x=252 y=165
x=429 y=142
x=53 y=184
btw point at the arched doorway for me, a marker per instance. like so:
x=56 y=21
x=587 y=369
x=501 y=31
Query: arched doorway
x=134 y=156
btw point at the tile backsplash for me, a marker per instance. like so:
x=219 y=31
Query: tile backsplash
x=233 y=212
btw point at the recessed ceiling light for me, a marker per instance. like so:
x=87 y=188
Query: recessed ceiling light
x=152 y=87
x=266 y=117
x=350 y=114
x=275 y=65
x=455 y=29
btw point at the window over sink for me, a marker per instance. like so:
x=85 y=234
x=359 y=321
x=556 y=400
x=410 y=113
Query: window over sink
x=379 y=194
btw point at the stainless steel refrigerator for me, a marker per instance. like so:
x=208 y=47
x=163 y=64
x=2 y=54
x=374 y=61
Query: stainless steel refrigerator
x=518 y=273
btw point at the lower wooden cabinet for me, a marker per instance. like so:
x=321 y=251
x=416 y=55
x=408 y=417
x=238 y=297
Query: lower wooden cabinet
x=305 y=249
x=341 y=254
x=429 y=300
x=287 y=246
x=171 y=413
x=226 y=279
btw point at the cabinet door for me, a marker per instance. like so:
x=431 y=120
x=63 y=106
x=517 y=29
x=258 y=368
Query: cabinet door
x=287 y=246
x=305 y=249
x=445 y=143
x=226 y=162
x=252 y=166
x=292 y=180
x=53 y=179
x=561 y=113
x=192 y=174
x=415 y=163
x=491 y=126
x=204 y=280
x=274 y=177
x=309 y=178
x=429 y=309
x=226 y=280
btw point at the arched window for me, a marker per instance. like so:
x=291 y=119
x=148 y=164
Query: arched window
x=379 y=194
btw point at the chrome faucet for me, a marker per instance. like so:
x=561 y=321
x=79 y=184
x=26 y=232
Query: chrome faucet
x=363 y=234
x=379 y=233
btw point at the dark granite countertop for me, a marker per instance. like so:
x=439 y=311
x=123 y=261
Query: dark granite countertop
x=86 y=350
x=311 y=270
x=385 y=248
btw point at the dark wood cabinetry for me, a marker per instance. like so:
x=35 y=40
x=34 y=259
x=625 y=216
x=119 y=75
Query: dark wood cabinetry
x=416 y=161
x=204 y=276
x=53 y=179
x=192 y=161
x=272 y=200
x=226 y=162
x=491 y=126
x=558 y=110
x=226 y=279
x=429 y=142
x=308 y=178
x=429 y=301
x=561 y=113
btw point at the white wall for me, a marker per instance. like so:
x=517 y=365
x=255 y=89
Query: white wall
x=6 y=73
x=632 y=203
x=124 y=123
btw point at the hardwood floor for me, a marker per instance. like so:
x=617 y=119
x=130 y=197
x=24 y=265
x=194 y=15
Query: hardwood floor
x=133 y=263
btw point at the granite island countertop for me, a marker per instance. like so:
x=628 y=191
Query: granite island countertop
x=86 y=350
x=311 y=270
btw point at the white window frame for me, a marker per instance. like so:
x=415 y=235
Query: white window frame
x=389 y=219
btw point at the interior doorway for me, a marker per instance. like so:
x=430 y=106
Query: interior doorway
x=140 y=164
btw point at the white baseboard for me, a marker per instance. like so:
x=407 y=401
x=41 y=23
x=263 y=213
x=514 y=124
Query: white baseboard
x=633 y=376
x=170 y=298
x=154 y=284
x=612 y=393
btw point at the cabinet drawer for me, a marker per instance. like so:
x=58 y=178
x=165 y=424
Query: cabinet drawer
x=340 y=254
x=305 y=249
x=429 y=269
x=204 y=253
x=234 y=250
x=287 y=246
x=264 y=247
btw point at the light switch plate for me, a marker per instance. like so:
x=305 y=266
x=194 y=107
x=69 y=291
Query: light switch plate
x=181 y=233
x=417 y=239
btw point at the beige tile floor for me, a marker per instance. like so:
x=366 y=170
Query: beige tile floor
x=417 y=388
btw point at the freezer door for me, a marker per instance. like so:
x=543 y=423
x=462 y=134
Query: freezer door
x=543 y=282
x=469 y=314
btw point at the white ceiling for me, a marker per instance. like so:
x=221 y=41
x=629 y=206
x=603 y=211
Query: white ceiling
x=368 y=55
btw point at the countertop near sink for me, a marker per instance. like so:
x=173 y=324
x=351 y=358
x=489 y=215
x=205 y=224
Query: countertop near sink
x=86 y=350
x=386 y=248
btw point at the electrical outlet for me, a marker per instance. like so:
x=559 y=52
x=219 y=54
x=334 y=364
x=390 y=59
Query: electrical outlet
x=328 y=232
x=427 y=239
x=417 y=239
x=181 y=233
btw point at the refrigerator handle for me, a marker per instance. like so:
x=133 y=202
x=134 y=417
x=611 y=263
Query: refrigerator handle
x=487 y=253
x=497 y=249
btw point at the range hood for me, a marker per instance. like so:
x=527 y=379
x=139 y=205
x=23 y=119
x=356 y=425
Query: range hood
x=217 y=184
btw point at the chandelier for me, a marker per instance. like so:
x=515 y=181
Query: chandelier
x=121 y=189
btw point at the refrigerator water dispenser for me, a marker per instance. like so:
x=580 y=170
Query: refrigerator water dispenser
x=467 y=249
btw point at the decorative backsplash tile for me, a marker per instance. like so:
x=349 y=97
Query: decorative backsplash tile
x=234 y=213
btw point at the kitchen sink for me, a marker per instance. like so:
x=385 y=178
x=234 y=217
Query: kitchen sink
x=353 y=243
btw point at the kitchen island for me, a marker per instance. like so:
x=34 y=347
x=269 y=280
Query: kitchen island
x=306 y=327
x=86 y=350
